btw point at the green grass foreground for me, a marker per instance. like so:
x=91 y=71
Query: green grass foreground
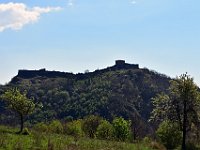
x=9 y=140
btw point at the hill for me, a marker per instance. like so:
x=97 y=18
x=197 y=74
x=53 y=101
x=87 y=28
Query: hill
x=120 y=90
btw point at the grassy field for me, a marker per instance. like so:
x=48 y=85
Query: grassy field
x=9 y=140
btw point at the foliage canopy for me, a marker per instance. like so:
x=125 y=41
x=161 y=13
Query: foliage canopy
x=19 y=103
x=181 y=105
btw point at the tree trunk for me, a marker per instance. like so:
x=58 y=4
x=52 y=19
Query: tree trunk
x=134 y=133
x=184 y=126
x=183 y=141
x=21 y=123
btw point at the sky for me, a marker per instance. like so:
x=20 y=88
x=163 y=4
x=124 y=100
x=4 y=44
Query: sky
x=78 y=35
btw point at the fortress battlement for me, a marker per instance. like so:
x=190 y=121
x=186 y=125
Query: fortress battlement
x=119 y=65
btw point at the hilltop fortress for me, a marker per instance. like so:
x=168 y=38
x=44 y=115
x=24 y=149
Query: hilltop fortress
x=119 y=65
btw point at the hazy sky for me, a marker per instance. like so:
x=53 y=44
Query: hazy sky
x=75 y=35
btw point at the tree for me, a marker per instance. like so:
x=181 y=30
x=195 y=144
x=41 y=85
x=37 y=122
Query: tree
x=56 y=127
x=169 y=134
x=105 y=130
x=19 y=103
x=122 y=128
x=74 y=128
x=90 y=125
x=181 y=105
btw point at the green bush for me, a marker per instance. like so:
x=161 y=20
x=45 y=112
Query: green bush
x=169 y=134
x=74 y=128
x=191 y=146
x=155 y=145
x=90 y=125
x=146 y=140
x=68 y=119
x=41 y=127
x=122 y=130
x=56 y=127
x=26 y=131
x=105 y=130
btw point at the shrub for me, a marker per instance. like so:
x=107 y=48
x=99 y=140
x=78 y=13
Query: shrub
x=56 y=127
x=90 y=125
x=169 y=134
x=105 y=130
x=26 y=131
x=146 y=140
x=155 y=145
x=68 y=119
x=122 y=129
x=74 y=128
x=189 y=146
x=41 y=127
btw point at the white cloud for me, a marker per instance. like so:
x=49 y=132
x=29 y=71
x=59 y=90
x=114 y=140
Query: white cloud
x=16 y=15
x=70 y=3
x=133 y=2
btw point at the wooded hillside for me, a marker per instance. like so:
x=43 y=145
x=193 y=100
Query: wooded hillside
x=121 y=90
